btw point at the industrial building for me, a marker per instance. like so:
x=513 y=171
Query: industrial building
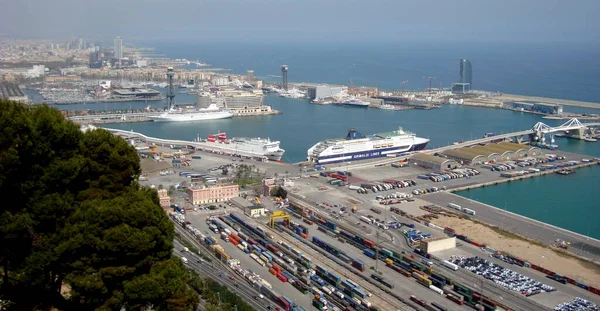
x=439 y=244
x=324 y=91
x=504 y=151
x=433 y=162
x=254 y=211
x=536 y=107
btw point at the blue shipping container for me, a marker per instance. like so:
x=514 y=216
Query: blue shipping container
x=369 y=252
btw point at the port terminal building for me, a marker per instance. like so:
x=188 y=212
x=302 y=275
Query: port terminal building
x=324 y=91
x=212 y=194
x=492 y=152
x=433 y=162
x=536 y=107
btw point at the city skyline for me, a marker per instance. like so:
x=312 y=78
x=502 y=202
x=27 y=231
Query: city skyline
x=384 y=20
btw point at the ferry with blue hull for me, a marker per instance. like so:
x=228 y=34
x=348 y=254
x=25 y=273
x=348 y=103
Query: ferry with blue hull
x=356 y=146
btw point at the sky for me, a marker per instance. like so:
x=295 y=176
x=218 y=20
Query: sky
x=305 y=20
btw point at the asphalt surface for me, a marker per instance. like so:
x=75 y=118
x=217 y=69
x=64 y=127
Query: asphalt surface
x=537 y=230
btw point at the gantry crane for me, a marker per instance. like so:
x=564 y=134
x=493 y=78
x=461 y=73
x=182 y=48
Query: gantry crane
x=278 y=215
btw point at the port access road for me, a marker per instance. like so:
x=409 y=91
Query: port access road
x=545 y=233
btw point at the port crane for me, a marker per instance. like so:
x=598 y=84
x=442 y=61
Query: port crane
x=352 y=90
x=430 y=79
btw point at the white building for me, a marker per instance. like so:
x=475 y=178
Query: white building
x=324 y=91
x=36 y=72
x=141 y=63
x=118 y=46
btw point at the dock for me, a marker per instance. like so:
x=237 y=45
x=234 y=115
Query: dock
x=134 y=117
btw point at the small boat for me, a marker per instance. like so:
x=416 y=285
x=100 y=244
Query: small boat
x=565 y=172
x=387 y=107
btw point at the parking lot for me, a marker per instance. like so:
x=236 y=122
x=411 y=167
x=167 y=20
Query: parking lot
x=502 y=276
x=577 y=304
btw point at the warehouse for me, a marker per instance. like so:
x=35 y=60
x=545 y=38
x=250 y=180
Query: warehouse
x=433 y=162
x=521 y=151
x=491 y=154
x=463 y=155
x=504 y=154
x=439 y=244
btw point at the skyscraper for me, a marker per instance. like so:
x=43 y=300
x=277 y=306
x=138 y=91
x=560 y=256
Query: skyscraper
x=466 y=73
x=118 y=42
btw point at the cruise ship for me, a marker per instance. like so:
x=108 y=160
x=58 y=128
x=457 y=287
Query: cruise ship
x=357 y=146
x=181 y=115
x=258 y=146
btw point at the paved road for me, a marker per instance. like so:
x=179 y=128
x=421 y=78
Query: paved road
x=547 y=234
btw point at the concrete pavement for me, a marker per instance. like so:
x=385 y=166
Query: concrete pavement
x=545 y=233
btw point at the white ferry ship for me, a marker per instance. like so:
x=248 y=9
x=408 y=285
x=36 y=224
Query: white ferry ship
x=357 y=146
x=257 y=146
x=180 y=115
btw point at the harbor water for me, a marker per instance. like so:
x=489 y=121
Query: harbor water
x=555 y=199
x=547 y=70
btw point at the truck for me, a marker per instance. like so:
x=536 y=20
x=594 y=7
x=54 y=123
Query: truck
x=184 y=260
x=225 y=237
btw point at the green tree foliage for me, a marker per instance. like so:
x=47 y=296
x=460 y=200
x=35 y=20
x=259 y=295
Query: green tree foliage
x=246 y=175
x=73 y=215
x=281 y=192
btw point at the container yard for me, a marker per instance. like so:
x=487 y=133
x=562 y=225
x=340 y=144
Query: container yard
x=366 y=231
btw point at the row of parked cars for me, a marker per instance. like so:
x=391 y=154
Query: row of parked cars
x=577 y=304
x=502 y=276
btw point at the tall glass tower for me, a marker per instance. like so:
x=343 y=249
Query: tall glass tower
x=466 y=73
x=118 y=46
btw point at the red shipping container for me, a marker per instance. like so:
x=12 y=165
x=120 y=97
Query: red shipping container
x=368 y=243
x=234 y=242
x=281 y=277
x=304 y=235
x=283 y=303
x=273 y=271
x=276 y=267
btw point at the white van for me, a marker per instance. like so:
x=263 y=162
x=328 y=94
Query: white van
x=184 y=259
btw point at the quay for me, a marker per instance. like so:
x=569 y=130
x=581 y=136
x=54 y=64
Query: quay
x=132 y=117
x=309 y=192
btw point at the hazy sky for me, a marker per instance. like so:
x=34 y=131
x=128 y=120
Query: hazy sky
x=302 y=20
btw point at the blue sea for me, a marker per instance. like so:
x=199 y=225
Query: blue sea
x=539 y=69
x=547 y=70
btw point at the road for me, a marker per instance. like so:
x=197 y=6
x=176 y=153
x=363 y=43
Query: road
x=545 y=233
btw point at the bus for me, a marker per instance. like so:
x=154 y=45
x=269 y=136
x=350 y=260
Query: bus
x=469 y=211
x=455 y=206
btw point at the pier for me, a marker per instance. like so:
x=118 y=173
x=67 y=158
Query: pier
x=133 y=117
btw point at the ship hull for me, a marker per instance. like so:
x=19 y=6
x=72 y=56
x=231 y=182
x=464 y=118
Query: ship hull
x=192 y=117
x=357 y=105
x=275 y=156
x=368 y=154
